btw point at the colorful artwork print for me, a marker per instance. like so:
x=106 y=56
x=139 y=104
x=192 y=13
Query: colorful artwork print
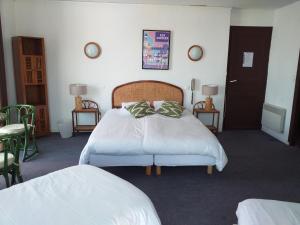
x=156 y=49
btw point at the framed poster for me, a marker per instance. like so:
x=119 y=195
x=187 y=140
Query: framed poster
x=156 y=49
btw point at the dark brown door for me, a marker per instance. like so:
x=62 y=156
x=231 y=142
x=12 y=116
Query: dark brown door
x=247 y=71
x=294 y=134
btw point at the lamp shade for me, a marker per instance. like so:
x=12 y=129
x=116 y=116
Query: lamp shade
x=210 y=89
x=78 y=89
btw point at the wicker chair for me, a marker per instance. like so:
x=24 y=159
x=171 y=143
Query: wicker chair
x=21 y=119
x=9 y=157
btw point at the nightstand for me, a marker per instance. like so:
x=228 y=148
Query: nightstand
x=199 y=108
x=90 y=107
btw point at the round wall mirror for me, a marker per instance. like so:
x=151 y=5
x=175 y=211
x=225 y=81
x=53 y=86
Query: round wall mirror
x=92 y=50
x=195 y=53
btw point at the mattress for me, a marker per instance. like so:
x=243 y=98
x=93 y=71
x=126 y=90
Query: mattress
x=79 y=195
x=183 y=160
x=268 y=212
x=120 y=160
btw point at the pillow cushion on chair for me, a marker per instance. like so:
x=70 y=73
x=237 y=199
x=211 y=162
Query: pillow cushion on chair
x=171 y=109
x=10 y=159
x=140 y=109
x=13 y=128
x=2 y=117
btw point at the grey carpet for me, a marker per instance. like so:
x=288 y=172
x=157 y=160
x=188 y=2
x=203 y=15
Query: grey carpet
x=259 y=167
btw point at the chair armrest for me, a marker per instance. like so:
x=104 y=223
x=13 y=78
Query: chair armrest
x=25 y=120
x=3 y=110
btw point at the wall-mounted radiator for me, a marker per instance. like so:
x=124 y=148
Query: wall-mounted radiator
x=273 y=117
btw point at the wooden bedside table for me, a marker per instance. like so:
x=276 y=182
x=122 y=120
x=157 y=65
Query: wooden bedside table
x=199 y=108
x=87 y=107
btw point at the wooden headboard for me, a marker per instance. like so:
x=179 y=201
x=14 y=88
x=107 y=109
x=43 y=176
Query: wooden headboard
x=149 y=90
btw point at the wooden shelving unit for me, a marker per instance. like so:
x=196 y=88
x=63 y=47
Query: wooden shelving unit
x=30 y=78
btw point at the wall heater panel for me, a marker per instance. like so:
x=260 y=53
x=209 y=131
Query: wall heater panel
x=273 y=117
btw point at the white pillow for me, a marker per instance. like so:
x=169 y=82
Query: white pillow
x=126 y=104
x=157 y=104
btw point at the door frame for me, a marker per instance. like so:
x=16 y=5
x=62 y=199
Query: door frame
x=228 y=62
x=295 y=108
x=3 y=89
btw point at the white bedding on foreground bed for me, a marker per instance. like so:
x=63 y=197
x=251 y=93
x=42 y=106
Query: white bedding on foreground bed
x=119 y=133
x=268 y=212
x=79 y=195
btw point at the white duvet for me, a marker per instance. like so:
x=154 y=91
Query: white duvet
x=185 y=136
x=268 y=212
x=80 y=195
x=119 y=133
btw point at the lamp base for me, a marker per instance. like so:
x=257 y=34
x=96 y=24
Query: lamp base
x=208 y=104
x=78 y=103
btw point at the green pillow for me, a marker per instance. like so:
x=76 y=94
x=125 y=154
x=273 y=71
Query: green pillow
x=171 y=109
x=140 y=109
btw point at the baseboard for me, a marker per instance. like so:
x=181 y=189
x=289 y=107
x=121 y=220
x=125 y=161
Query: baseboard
x=278 y=136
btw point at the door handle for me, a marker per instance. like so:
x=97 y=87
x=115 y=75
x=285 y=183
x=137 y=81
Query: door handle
x=233 y=81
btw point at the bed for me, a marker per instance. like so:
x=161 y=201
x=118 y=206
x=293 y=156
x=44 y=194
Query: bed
x=114 y=143
x=76 y=195
x=121 y=140
x=262 y=212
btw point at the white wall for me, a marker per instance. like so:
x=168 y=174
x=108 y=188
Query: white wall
x=67 y=26
x=283 y=62
x=252 y=17
x=8 y=30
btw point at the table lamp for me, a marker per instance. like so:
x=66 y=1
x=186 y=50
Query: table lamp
x=209 y=90
x=77 y=90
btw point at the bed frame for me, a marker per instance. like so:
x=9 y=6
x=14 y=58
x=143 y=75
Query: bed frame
x=151 y=90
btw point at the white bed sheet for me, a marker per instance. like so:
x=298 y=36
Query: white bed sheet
x=80 y=195
x=268 y=212
x=119 y=133
x=183 y=136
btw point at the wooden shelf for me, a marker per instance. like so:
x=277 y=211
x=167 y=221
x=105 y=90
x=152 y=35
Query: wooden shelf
x=84 y=127
x=32 y=46
x=86 y=110
x=212 y=128
x=88 y=106
x=199 y=108
x=30 y=78
x=30 y=84
x=204 y=111
x=35 y=94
